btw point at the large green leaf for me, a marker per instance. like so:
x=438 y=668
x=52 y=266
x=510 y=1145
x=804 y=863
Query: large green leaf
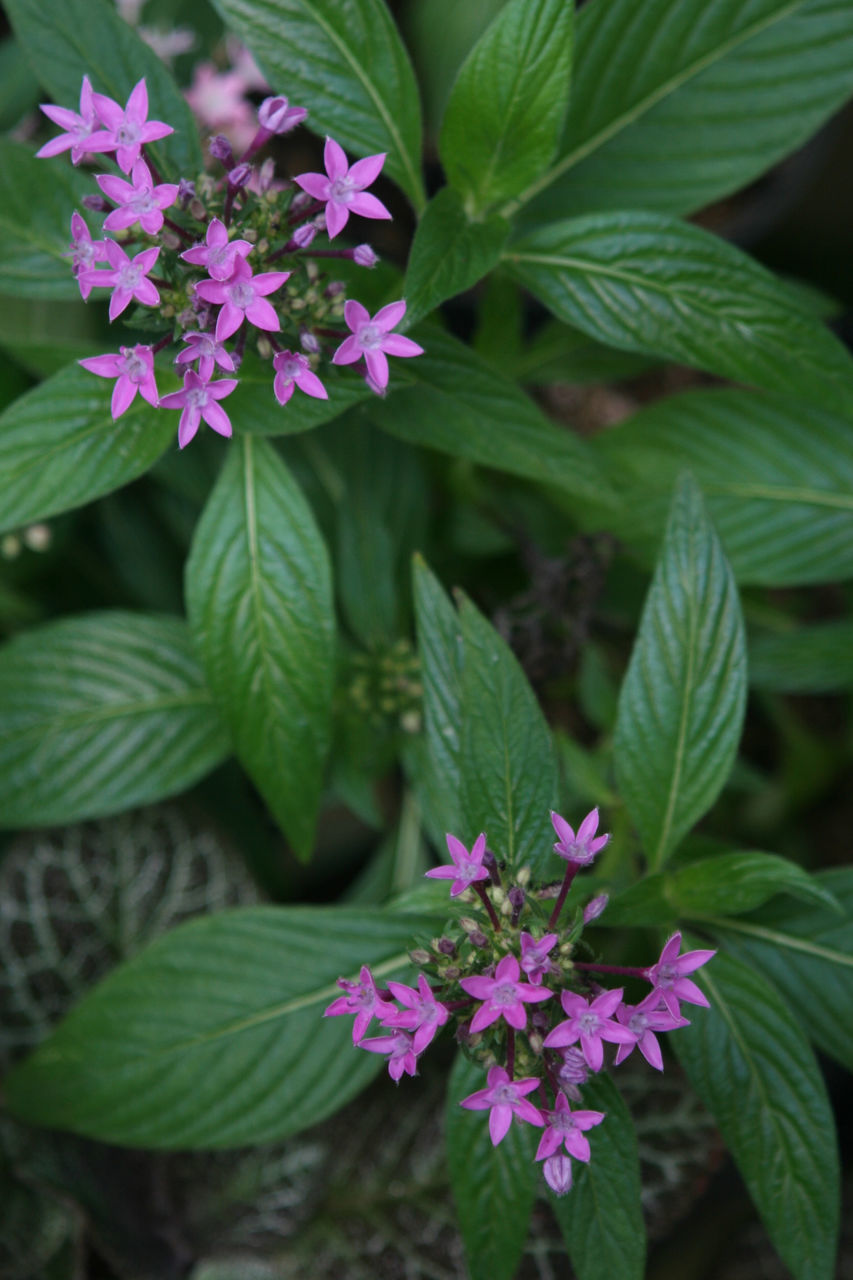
x=254 y=409
x=450 y=253
x=59 y=446
x=778 y=477
x=101 y=712
x=345 y=61
x=494 y=1187
x=645 y=282
x=748 y=1059
x=35 y=223
x=509 y=102
x=63 y=42
x=601 y=1218
x=440 y=652
x=682 y=700
x=678 y=102
x=214 y=1035
x=815 y=659
x=259 y=598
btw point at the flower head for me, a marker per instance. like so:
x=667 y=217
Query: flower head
x=127 y=277
x=503 y=996
x=590 y=1022
x=579 y=849
x=342 y=187
x=400 y=1051
x=218 y=254
x=243 y=296
x=133 y=369
x=567 y=1128
x=643 y=1020
x=129 y=127
x=83 y=133
x=371 y=338
x=534 y=955
x=669 y=978
x=504 y=1098
x=139 y=200
x=84 y=252
x=466 y=868
x=362 y=999
x=276 y=115
x=209 y=353
x=421 y=1014
x=293 y=370
x=198 y=401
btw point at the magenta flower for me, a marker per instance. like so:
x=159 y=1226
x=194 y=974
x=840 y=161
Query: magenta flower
x=668 y=976
x=243 y=297
x=466 y=867
x=590 y=1022
x=341 y=187
x=83 y=132
x=579 y=849
x=534 y=955
x=558 y=1174
x=293 y=370
x=218 y=254
x=276 y=115
x=572 y=1072
x=399 y=1046
x=138 y=200
x=643 y=1020
x=422 y=1014
x=133 y=367
x=594 y=907
x=363 y=999
x=198 y=401
x=372 y=339
x=129 y=127
x=503 y=995
x=204 y=348
x=566 y=1128
x=128 y=278
x=504 y=1098
x=84 y=252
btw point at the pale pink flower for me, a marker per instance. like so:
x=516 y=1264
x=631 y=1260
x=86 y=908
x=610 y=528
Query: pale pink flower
x=362 y=999
x=218 y=255
x=129 y=127
x=217 y=100
x=204 y=348
x=466 y=867
x=399 y=1048
x=128 y=278
x=503 y=995
x=534 y=955
x=372 y=339
x=422 y=1013
x=567 y=1128
x=198 y=402
x=643 y=1020
x=504 y=1098
x=579 y=849
x=133 y=369
x=590 y=1022
x=669 y=978
x=139 y=200
x=243 y=297
x=83 y=133
x=293 y=370
x=558 y=1174
x=342 y=187
x=84 y=252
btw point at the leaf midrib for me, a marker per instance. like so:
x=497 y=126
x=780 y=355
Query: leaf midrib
x=101 y=715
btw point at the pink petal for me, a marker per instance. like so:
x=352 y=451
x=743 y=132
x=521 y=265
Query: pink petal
x=123 y=394
x=55 y=146
x=337 y=216
x=150 y=222
x=562 y=1035
x=137 y=104
x=685 y=989
x=347 y=353
x=311 y=385
x=650 y=1049
x=565 y=833
x=63 y=116
x=119 y=302
x=671 y=949
x=365 y=171
x=188 y=426
x=335 y=159
x=116 y=255
x=217 y=234
x=693 y=960
x=316 y=184
x=154 y=130
x=262 y=315
x=197 y=255
x=148 y=390
x=367 y=206
x=283 y=390
x=500 y=1118
x=210 y=290
x=439 y=873
x=216 y=417
x=103 y=366
x=219 y=390
x=147 y=293
x=588 y=827
x=396 y=344
x=607 y=1003
x=484 y=1017
x=593 y=1051
x=119 y=219
x=269 y=281
x=356 y=315
x=108 y=111
x=548 y=1144
x=478 y=986
x=228 y=321
x=578 y=1146
x=146 y=259
x=507 y=970
x=377 y=367
x=175 y=400
x=515 y=1015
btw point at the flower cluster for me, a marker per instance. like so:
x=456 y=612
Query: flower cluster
x=526 y=1006
x=212 y=290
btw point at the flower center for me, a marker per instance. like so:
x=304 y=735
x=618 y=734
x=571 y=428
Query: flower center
x=291 y=367
x=638 y=1023
x=505 y=1093
x=504 y=994
x=129 y=276
x=342 y=190
x=242 y=294
x=588 y=1023
x=142 y=201
x=666 y=975
x=134 y=366
x=127 y=134
x=196 y=398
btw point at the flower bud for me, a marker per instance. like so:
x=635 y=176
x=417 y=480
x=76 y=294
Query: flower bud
x=278 y=116
x=303 y=235
x=266 y=173
x=446 y=947
x=477 y=938
x=308 y=342
x=186 y=192
x=594 y=907
x=420 y=956
x=335 y=289
x=239 y=176
x=197 y=210
x=364 y=256
x=97 y=204
x=220 y=149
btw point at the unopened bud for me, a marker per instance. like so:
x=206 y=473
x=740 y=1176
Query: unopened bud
x=170 y=240
x=277 y=115
x=335 y=289
x=303 y=235
x=446 y=946
x=420 y=956
x=523 y=877
x=37 y=537
x=220 y=149
x=468 y=924
x=198 y=210
x=308 y=342
x=300 y=201
x=535 y=1042
x=186 y=192
x=264 y=348
x=516 y=897
x=239 y=176
x=364 y=256
x=477 y=938
x=451 y=973
x=97 y=204
x=266 y=173
x=594 y=907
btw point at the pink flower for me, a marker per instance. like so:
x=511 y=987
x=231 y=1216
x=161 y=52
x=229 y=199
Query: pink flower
x=128 y=278
x=466 y=867
x=371 y=338
x=590 y=1022
x=503 y=995
x=293 y=369
x=566 y=1128
x=341 y=187
x=399 y=1047
x=276 y=115
x=204 y=348
x=218 y=254
x=129 y=127
x=595 y=907
x=197 y=401
x=243 y=296
x=579 y=849
x=668 y=975
x=572 y=1072
x=83 y=132
x=643 y=1020
x=534 y=955
x=84 y=251
x=217 y=100
x=362 y=999
x=504 y=1098
x=133 y=367
x=422 y=1014
x=138 y=200
x=558 y=1174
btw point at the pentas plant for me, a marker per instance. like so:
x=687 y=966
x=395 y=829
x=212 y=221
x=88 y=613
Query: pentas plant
x=521 y=987
x=212 y=290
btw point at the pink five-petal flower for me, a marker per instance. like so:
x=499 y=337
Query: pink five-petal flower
x=558 y=1174
x=669 y=978
x=565 y=1127
x=342 y=187
x=129 y=127
x=133 y=367
x=83 y=132
x=590 y=1021
x=399 y=1046
x=581 y=848
x=218 y=254
x=644 y=1020
x=421 y=1014
x=128 y=278
x=198 y=401
x=372 y=339
x=504 y=1098
x=534 y=955
x=138 y=200
x=466 y=867
x=243 y=296
x=204 y=348
x=503 y=995
x=364 y=1000
x=293 y=370
x=84 y=252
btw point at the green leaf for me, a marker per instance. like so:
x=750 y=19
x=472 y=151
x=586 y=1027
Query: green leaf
x=731 y=883
x=60 y=448
x=450 y=253
x=815 y=659
x=601 y=1219
x=440 y=33
x=645 y=282
x=807 y=952
x=35 y=223
x=778 y=480
x=508 y=104
x=494 y=1187
x=214 y=1036
x=19 y=89
x=750 y=1063
x=259 y=598
x=64 y=42
x=682 y=700
x=345 y=61
x=254 y=410
x=440 y=651
x=100 y=713
x=680 y=102
x=43 y=335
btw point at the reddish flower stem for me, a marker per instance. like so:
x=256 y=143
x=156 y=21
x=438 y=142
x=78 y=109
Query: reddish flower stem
x=179 y=230
x=510 y=1052
x=484 y=897
x=164 y=342
x=571 y=872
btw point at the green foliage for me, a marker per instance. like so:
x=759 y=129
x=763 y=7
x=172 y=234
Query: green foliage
x=816 y=659
x=450 y=253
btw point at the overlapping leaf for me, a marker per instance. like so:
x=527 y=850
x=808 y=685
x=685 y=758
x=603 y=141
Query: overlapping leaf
x=811 y=659
x=35 y=220
x=441 y=655
x=450 y=253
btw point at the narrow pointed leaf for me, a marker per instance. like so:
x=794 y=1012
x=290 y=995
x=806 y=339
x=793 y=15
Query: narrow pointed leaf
x=450 y=253
x=35 y=223
x=441 y=656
